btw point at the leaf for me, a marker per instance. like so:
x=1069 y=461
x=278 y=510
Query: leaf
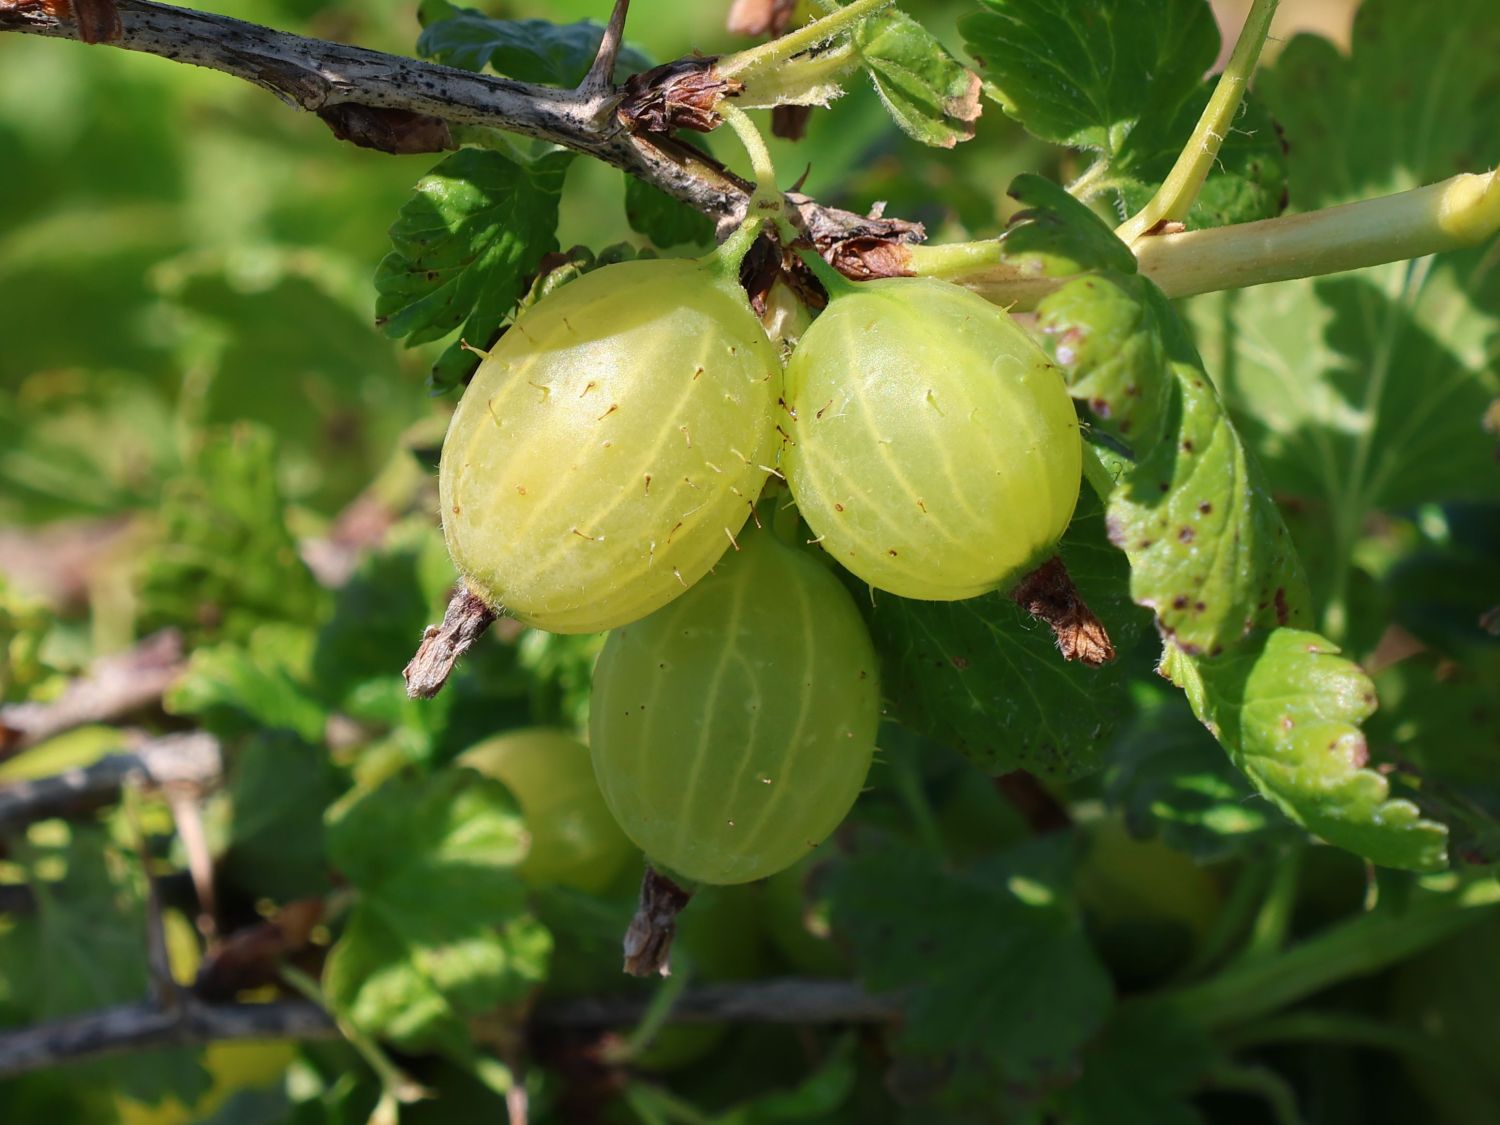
x=225 y=562
x=553 y=54
x=1055 y=235
x=1081 y=74
x=279 y=787
x=1368 y=391
x=1249 y=177
x=84 y=948
x=929 y=94
x=664 y=220
x=1170 y=780
x=1143 y=1070
x=986 y=677
x=999 y=989
x=235 y=690
x=439 y=932
x=1208 y=550
x=466 y=245
x=1287 y=708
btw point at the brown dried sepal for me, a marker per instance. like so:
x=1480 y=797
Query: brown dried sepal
x=1048 y=594
x=98 y=21
x=648 y=939
x=789 y=122
x=464 y=622
x=678 y=95
x=386 y=129
x=867 y=257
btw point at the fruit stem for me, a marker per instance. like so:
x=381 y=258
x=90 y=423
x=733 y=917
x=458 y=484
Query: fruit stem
x=745 y=63
x=765 y=204
x=833 y=281
x=1182 y=185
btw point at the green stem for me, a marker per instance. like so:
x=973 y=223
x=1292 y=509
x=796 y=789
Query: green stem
x=909 y=788
x=1233 y=918
x=1274 y=919
x=1458 y=212
x=833 y=281
x=1177 y=193
x=1364 y=945
x=743 y=64
x=654 y=1019
x=1261 y=1081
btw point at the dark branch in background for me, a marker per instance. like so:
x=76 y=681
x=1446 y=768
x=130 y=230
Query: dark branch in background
x=192 y=760
x=794 y=1000
x=114 y=686
x=373 y=97
x=142 y=1026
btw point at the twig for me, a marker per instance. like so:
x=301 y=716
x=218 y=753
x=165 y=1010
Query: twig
x=175 y=759
x=142 y=1026
x=187 y=815
x=114 y=686
x=787 y=1000
x=464 y=622
x=330 y=79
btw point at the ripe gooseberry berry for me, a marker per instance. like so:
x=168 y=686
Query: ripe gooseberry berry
x=611 y=443
x=574 y=839
x=935 y=450
x=732 y=730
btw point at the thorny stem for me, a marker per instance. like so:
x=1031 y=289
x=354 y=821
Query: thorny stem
x=1177 y=193
x=746 y=63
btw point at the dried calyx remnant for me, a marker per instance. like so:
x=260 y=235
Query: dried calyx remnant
x=465 y=620
x=1048 y=594
x=648 y=939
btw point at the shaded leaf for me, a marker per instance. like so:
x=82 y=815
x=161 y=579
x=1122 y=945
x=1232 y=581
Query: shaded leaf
x=664 y=220
x=465 y=246
x=279 y=787
x=986 y=677
x=1143 y=1070
x=553 y=54
x=1287 y=708
x=999 y=989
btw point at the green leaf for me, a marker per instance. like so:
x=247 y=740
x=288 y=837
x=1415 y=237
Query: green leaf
x=929 y=94
x=439 y=933
x=235 y=690
x=1208 y=550
x=527 y=50
x=1287 y=708
x=662 y=219
x=1367 y=391
x=1169 y=779
x=1000 y=984
x=84 y=948
x=466 y=245
x=279 y=787
x=1143 y=1070
x=1083 y=74
x=1054 y=235
x=1248 y=181
x=225 y=562
x=985 y=677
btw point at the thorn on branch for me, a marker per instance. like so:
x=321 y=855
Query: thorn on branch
x=387 y=129
x=1048 y=594
x=465 y=621
x=601 y=75
x=648 y=939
